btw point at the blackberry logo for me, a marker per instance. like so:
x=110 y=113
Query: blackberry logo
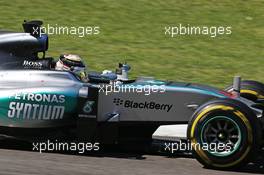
x=142 y=105
x=118 y=101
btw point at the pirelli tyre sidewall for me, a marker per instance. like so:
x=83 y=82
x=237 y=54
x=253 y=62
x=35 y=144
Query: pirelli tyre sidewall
x=246 y=131
x=251 y=90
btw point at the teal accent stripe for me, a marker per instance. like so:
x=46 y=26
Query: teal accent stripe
x=195 y=90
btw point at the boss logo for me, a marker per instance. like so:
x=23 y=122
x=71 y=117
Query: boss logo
x=32 y=64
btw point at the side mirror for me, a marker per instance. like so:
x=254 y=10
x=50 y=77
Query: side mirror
x=32 y=27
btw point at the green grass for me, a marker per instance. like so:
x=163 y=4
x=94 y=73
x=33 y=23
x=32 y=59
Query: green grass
x=133 y=31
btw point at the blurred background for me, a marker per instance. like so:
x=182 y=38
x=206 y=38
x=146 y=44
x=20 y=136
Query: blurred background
x=133 y=31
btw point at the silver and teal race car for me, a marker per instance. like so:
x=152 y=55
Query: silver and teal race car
x=225 y=127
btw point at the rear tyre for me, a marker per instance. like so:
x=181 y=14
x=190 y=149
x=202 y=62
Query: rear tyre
x=224 y=134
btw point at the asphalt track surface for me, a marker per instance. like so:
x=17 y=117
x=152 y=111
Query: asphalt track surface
x=17 y=159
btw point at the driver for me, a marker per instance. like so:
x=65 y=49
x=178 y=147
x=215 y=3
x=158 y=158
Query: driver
x=73 y=63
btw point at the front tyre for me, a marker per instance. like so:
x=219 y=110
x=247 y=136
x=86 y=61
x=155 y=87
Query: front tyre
x=251 y=90
x=224 y=134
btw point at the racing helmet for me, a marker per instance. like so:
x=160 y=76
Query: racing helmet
x=73 y=63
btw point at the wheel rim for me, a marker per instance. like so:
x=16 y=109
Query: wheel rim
x=221 y=130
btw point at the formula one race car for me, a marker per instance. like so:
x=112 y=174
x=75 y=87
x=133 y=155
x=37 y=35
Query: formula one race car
x=225 y=127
